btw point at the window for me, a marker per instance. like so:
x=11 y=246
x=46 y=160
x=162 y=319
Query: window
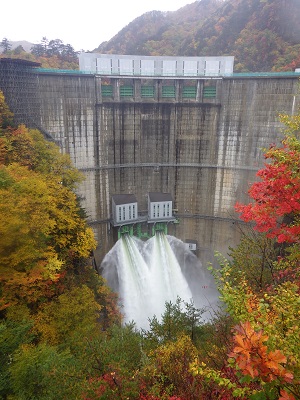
x=124 y=213
x=133 y=211
x=107 y=90
x=120 y=214
x=126 y=91
x=209 y=91
x=189 y=92
x=147 y=91
x=129 y=208
x=168 y=91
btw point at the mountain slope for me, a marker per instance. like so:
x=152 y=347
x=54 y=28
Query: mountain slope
x=261 y=34
x=160 y=33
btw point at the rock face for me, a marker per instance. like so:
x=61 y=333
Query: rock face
x=201 y=140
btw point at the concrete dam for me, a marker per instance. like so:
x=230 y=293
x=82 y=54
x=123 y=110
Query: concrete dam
x=201 y=139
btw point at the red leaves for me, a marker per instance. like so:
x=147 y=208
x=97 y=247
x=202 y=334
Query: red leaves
x=252 y=356
x=277 y=195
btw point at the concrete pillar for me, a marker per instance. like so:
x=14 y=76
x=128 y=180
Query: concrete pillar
x=116 y=89
x=98 y=89
x=137 y=90
x=199 y=91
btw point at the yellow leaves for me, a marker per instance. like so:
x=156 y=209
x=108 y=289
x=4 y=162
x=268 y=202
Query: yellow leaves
x=5 y=114
x=54 y=265
x=210 y=375
x=85 y=241
x=40 y=225
x=74 y=316
x=180 y=353
x=36 y=214
x=292 y=122
x=171 y=363
x=24 y=222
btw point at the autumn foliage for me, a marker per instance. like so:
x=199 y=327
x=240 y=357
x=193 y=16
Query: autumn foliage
x=276 y=206
x=253 y=358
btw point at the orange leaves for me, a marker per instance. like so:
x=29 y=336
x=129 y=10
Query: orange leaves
x=285 y=395
x=252 y=357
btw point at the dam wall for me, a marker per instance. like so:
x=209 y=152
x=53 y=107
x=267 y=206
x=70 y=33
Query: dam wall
x=202 y=140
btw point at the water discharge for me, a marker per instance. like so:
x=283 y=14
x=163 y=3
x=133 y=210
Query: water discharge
x=148 y=274
x=166 y=278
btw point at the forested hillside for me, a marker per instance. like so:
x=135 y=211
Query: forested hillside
x=263 y=35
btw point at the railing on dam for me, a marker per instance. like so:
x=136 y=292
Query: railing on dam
x=285 y=74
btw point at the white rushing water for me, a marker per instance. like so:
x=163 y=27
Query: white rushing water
x=166 y=278
x=148 y=274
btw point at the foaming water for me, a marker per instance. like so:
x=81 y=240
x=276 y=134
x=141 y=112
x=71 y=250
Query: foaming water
x=148 y=274
x=166 y=278
x=134 y=278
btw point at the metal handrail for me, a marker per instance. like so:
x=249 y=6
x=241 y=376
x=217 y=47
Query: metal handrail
x=225 y=75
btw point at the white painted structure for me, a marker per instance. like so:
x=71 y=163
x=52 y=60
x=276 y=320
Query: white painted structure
x=191 y=245
x=124 y=208
x=159 y=206
x=130 y=65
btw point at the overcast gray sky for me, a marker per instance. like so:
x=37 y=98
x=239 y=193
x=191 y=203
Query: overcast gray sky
x=83 y=24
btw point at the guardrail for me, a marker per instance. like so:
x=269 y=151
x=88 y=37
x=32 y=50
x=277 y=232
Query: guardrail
x=117 y=74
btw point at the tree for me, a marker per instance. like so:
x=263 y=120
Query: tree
x=177 y=319
x=6 y=116
x=255 y=256
x=168 y=371
x=12 y=335
x=276 y=206
x=69 y=318
x=19 y=50
x=42 y=232
x=55 y=49
x=115 y=358
x=6 y=46
x=45 y=372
